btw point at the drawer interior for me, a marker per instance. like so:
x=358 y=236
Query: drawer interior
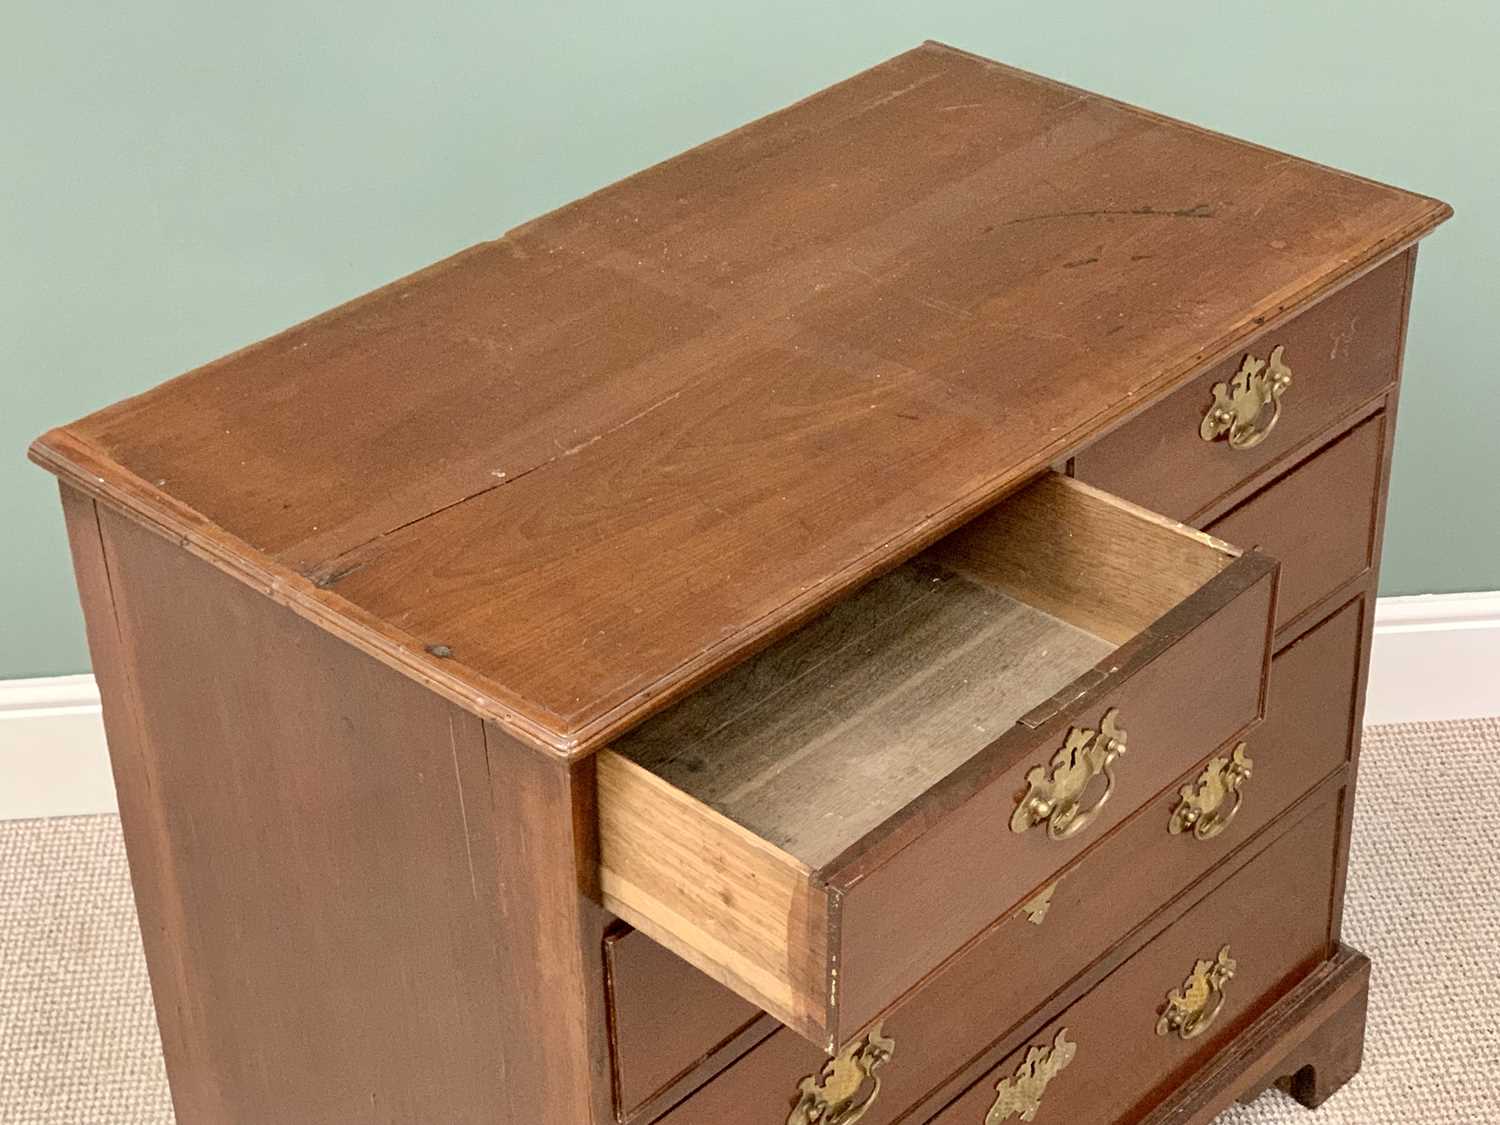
x=719 y=816
x=823 y=736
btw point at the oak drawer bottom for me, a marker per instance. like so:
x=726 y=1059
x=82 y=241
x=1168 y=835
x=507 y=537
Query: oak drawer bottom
x=1147 y=1026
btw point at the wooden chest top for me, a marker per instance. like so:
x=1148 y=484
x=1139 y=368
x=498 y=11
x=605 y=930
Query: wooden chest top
x=564 y=476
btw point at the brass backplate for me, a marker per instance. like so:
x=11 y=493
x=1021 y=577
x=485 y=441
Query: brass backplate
x=1055 y=792
x=1035 y=908
x=1021 y=1095
x=1207 y=805
x=1191 y=1009
x=847 y=1086
x=1238 y=412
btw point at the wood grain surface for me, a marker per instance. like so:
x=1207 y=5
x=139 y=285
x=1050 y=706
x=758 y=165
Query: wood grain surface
x=1319 y=519
x=1102 y=563
x=874 y=723
x=355 y=899
x=743 y=911
x=1122 y=1067
x=993 y=999
x=1343 y=353
x=651 y=431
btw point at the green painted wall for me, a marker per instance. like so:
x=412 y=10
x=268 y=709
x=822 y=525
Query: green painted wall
x=179 y=179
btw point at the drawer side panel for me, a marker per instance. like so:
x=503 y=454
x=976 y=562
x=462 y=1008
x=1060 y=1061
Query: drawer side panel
x=747 y=914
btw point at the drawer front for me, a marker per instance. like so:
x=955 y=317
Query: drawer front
x=1319 y=519
x=1310 y=722
x=666 y=1018
x=1151 y=1022
x=903 y=917
x=1342 y=352
x=1012 y=970
x=828 y=942
x=1018 y=963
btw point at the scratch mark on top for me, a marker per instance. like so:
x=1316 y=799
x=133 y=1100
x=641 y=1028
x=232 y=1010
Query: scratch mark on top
x=1196 y=211
x=463 y=811
x=894 y=94
x=351 y=560
x=572 y=449
x=944 y=307
x=324 y=580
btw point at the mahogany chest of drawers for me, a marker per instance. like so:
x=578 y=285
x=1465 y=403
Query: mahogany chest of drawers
x=863 y=621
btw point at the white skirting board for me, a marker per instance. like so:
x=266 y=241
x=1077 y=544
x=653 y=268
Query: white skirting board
x=1435 y=656
x=53 y=760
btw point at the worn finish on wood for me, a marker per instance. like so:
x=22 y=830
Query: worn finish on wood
x=1318 y=520
x=561 y=480
x=318 y=857
x=822 y=737
x=667 y=1020
x=712 y=838
x=1325 y=1011
x=981 y=1008
x=617 y=433
x=1343 y=351
x=1122 y=1066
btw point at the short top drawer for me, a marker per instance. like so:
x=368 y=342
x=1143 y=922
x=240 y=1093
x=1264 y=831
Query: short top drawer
x=1341 y=353
x=824 y=826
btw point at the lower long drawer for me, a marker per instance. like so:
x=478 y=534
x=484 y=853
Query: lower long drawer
x=1026 y=957
x=1142 y=1030
x=1013 y=969
x=668 y=1023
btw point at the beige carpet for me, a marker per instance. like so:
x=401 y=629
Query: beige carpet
x=78 y=1043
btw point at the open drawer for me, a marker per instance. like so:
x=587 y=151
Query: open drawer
x=823 y=826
